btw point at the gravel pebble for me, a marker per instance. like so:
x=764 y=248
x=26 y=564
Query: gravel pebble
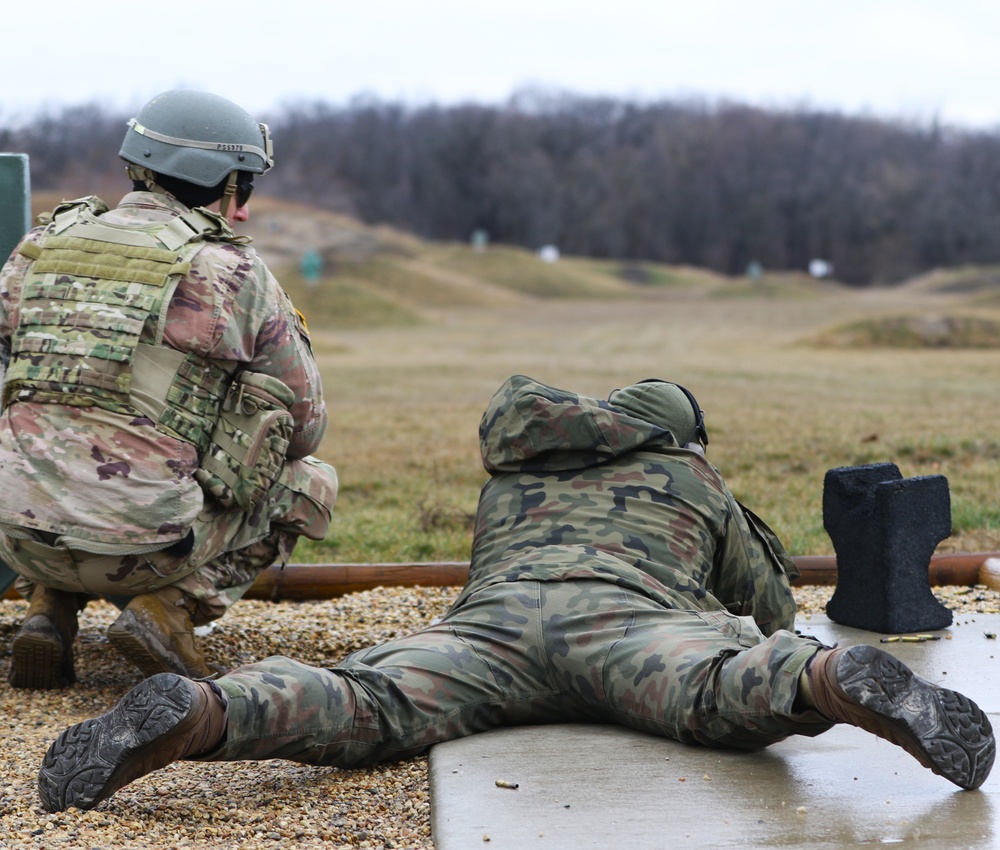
x=227 y=805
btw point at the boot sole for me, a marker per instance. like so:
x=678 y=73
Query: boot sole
x=36 y=662
x=944 y=730
x=126 y=635
x=88 y=762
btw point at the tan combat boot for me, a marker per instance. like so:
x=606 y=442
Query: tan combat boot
x=875 y=691
x=161 y=720
x=42 y=649
x=156 y=634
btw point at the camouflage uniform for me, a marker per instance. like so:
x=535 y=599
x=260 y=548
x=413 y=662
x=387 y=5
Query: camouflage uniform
x=104 y=503
x=614 y=578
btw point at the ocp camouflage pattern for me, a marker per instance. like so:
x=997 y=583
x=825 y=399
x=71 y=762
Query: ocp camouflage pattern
x=104 y=479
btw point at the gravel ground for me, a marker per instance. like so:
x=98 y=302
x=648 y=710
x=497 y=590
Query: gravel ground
x=230 y=805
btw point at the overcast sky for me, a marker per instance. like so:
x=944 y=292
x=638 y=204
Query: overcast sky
x=915 y=60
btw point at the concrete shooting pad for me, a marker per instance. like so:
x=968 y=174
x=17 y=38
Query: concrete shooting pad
x=584 y=786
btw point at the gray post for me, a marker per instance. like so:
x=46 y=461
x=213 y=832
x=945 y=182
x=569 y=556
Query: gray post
x=15 y=201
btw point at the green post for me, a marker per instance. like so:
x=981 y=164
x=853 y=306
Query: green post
x=15 y=220
x=15 y=201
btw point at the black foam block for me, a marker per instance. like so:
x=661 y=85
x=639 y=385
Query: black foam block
x=884 y=530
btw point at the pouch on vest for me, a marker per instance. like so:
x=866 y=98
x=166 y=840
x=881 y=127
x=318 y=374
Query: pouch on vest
x=247 y=448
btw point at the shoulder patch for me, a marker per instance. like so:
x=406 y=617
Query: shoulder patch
x=301 y=321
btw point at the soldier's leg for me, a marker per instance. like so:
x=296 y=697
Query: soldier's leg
x=234 y=547
x=480 y=668
x=708 y=677
x=527 y=652
x=230 y=548
x=155 y=631
x=715 y=679
x=212 y=589
x=41 y=652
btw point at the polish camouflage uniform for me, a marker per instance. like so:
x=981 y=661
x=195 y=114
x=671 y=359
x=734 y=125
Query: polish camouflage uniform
x=614 y=578
x=103 y=503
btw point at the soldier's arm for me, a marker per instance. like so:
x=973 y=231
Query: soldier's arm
x=284 y=351
x=752 y=572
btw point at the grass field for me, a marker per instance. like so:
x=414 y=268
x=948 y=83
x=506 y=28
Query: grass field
x=797 y=377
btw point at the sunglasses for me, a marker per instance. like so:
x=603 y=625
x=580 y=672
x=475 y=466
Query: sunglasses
x=244 y=188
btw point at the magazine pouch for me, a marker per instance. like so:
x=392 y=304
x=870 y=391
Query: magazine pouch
x=248 y=445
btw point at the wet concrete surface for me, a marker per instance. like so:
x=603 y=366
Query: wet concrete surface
x=584 y=786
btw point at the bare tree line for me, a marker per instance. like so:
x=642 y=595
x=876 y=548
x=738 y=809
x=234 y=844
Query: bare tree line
x=713 y=186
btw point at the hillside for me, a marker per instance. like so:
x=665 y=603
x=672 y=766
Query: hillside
x=379 y=275
x=370 y=276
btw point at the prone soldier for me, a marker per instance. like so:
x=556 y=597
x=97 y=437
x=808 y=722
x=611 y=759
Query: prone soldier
x=614 y=579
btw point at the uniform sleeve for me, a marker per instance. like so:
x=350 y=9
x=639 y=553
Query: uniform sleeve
x=283 y=350
x=752 y=572
x=232 y=310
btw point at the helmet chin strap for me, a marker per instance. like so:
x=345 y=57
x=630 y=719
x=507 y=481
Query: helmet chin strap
x=148 y=178
x=228 y=193
x=144 y=175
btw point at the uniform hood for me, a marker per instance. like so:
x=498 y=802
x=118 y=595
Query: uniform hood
x=532 y=427
x=666 y=404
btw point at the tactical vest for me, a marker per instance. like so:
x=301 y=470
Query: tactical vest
x=92 y=316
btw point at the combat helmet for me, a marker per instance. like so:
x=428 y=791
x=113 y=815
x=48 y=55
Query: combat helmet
x=668 y=405
x=196 y=137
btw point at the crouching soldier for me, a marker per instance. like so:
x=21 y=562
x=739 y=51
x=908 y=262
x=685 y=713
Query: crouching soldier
x=161 y=402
